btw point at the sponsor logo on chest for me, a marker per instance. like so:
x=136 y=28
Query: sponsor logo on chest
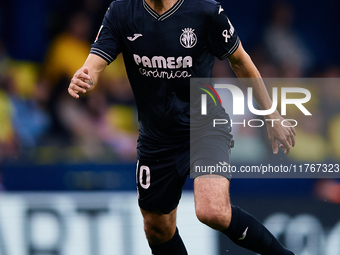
x=163 y=62
x=171 y=67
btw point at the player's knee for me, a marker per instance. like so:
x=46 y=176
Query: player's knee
x=214 y=216
x=158 y=233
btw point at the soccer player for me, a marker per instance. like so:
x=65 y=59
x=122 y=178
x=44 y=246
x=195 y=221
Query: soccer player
x=164 y=44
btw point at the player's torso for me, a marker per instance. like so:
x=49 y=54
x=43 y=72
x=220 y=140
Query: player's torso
x=161 y=54
x=173 y=45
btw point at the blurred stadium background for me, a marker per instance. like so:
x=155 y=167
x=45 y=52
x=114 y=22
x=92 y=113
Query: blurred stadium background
x=67 y=166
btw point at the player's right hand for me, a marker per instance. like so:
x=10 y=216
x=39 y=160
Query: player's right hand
x=80 y=82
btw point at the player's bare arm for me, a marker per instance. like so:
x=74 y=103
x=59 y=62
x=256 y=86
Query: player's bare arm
x=244 y=67
x=86 y=78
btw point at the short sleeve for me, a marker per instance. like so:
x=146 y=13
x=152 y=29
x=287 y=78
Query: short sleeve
x=107 y=44
x=223 y=36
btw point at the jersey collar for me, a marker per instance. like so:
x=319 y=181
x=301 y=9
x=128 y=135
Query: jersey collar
x=165 y=15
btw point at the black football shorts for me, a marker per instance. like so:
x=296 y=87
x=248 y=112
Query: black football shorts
x=210 y=156
x=160 y=181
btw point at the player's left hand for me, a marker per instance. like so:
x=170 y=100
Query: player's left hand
x=285 y=135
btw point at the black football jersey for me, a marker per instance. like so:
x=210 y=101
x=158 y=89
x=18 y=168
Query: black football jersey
x=161 y=54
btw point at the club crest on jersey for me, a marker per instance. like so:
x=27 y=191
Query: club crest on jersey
x=188 y=38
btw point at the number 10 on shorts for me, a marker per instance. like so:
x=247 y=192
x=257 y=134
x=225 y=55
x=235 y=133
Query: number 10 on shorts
x=143 y=176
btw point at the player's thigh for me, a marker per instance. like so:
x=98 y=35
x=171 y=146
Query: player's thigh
x=211 y=191
x=159 y=227
x=212 y=202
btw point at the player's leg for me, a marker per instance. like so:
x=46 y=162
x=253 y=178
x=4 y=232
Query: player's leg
x=212 y=203
x=162 y=233
x=213 y=208
x=159 y=191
